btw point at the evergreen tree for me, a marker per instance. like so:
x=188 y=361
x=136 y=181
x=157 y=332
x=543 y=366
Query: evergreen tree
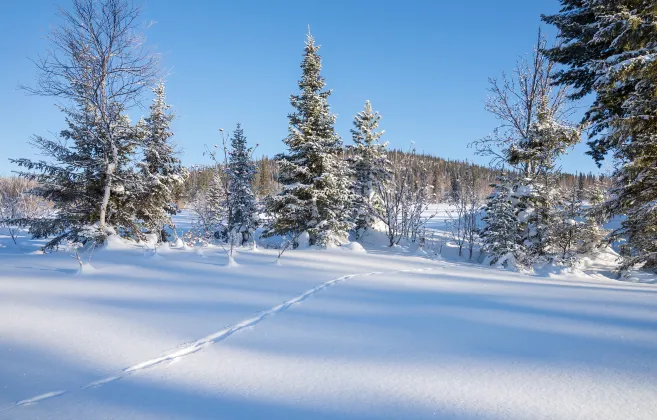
x=581 y=189
x=566 y=228
x=124 y=201
x=74 y=177
x=97 y=67
x=161 y=172
x=609 y=49
x=264 y=180
x=454 y=185
x=594 y=218
x=315 y=194
x=369 y=166
x=241 y=171
x=501 y=235
x=547 y=139
x=537 y=192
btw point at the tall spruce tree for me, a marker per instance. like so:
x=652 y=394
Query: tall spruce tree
x=241 y=171
x=313 y=174
x=161 y=170
x=501 y=235
x=369 y=165
x=609 y=49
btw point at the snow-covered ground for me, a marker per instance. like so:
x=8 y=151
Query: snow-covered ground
x=332 y=334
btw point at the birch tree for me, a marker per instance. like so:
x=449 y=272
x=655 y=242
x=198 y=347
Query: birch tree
x=98 y=67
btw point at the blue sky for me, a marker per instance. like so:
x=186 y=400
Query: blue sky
x=423 y=64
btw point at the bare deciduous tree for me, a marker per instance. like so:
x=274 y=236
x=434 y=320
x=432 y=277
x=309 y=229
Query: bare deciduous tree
x=517 y=100
x=463 y=216
x=405 y=198
x=98 y=60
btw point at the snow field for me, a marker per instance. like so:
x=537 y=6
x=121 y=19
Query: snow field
x=394 y=336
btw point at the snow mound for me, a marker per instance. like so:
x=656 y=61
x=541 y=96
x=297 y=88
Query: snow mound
x=420 y=252
x=115 y=243
x=86 y=269
x=178 y=243
x=232 y=262
x=303 y=241
x=354 y=247
x=151 y=240
x=155 y=255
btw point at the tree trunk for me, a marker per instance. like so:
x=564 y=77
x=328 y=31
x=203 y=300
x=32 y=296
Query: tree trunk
x=109 y=172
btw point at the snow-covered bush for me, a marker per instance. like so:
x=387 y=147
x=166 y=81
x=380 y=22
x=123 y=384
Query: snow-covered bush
x=464 y=212
x=405 y=196
x=18 y=204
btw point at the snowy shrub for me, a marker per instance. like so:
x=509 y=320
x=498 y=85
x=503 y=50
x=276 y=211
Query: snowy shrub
x=405 y=196
x=18 y=204
x=464 y=213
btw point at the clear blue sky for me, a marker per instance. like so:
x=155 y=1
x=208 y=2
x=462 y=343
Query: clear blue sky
x=423 y=64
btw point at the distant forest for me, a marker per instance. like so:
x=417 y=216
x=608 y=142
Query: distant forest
x=443 y=175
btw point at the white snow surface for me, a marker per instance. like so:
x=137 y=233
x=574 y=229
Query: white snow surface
x=386 y=333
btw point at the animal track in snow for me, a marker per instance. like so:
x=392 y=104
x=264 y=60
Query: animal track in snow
x=213 y=338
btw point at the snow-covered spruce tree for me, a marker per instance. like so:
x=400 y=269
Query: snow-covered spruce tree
x=609 y=49
x=455 y=186
x=595 y=236
x=501 y=235
x=313 y=174
x=369 y=165
x=537 y=192
x=161 y=171
x=73 y=178
x=99 y=67
x=126 y=192
x=243 y=215
x=547 y=139
x=565 y=229
x=597 y=195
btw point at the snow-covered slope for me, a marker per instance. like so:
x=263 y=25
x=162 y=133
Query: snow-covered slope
x=325 y=334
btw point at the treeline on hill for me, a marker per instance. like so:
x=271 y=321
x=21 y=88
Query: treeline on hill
x=113 y=177
x=442 y=175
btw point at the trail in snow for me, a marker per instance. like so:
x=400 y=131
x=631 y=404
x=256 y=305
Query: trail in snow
x=38 y=398
x=213 y=338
